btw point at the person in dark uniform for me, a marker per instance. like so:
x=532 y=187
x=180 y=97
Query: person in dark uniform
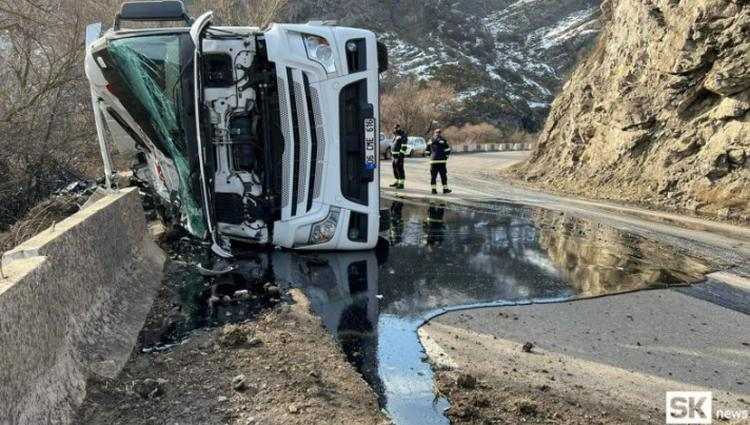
x=439 y=151
x=399 y=152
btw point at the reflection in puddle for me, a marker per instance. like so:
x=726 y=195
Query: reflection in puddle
x=444 y=258
x=438 y=258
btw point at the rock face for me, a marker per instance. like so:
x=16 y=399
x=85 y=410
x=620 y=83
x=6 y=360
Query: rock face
x=506 y=58
x=658 y=112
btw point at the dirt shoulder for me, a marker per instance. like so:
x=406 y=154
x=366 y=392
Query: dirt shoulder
x=512 y=392
x=282 y=367
x=602 y=361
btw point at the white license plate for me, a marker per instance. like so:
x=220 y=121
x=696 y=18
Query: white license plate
x=370 y=148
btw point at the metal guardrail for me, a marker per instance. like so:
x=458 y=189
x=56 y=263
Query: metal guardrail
x=495 y=147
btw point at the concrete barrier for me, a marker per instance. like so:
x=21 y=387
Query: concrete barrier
x=494 y=147
x=72 y=301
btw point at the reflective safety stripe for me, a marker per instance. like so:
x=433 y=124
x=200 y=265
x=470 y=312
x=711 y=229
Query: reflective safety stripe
x=438 y=161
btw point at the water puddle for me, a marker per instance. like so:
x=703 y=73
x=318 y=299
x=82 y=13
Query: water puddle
x=435 y=258
x=446 y=257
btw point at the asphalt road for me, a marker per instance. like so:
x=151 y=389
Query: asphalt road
x=471 y=179
x=624 y=350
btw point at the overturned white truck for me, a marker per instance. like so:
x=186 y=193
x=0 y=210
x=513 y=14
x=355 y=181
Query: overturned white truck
x=262 y=137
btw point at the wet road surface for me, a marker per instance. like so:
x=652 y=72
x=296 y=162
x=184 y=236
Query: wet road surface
x=435 y=258
x=444 y=258
x=474 y=176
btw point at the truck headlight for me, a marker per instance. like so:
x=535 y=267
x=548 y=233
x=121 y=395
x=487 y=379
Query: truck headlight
x=325 y=230
x=320 y=51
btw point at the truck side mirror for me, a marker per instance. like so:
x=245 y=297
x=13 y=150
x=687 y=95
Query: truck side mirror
x=93 y=32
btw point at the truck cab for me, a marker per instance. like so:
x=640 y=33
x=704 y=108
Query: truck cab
x=246 y=136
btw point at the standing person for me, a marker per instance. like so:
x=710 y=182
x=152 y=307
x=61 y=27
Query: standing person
x=439 y=151
x=399 y=151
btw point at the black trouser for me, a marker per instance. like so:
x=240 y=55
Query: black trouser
x=441 y=169
x=398 y=168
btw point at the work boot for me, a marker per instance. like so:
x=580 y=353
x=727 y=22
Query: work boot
x=434 y=191
x=446 y=190
x=400 y=186
x=394 y=184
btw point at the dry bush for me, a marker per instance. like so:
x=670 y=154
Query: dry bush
x=258 y=13
x=417 y=106
x=47 y=135
x=521 y=136
x=44 y=215
x=471 y=134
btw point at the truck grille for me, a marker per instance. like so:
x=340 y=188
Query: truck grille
x=304 y=142
x=286 y=158
x=321 y=136
x=304 y=146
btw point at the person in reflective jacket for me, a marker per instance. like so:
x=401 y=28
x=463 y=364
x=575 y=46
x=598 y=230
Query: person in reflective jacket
x=399 y=152
x=439 y=151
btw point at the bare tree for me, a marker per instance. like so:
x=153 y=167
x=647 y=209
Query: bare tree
x=46 y=130
x=417 y=106
x=473 y=133
x=258 y=13
x=47 y=134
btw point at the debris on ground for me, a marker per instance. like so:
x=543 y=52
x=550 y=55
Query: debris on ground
x=149 y=388
x=217 y=376
x=239 y=383
x=214 y=272
x=526 y=407
x=527 y=347
x=237 y=336
x=272 y=290
x=466 y=381
x=514 y=402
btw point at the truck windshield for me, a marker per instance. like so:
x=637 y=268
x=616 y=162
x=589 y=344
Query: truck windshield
x=155 y=86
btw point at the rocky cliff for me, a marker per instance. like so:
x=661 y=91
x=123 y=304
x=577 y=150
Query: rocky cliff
x=506 y=59
x=658 y=111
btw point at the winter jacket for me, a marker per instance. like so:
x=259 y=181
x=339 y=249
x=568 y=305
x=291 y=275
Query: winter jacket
x=439 y=150
x=399 y=144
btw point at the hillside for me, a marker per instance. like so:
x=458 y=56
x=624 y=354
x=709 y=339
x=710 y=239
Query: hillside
x=506 y=58
x=658 y=113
